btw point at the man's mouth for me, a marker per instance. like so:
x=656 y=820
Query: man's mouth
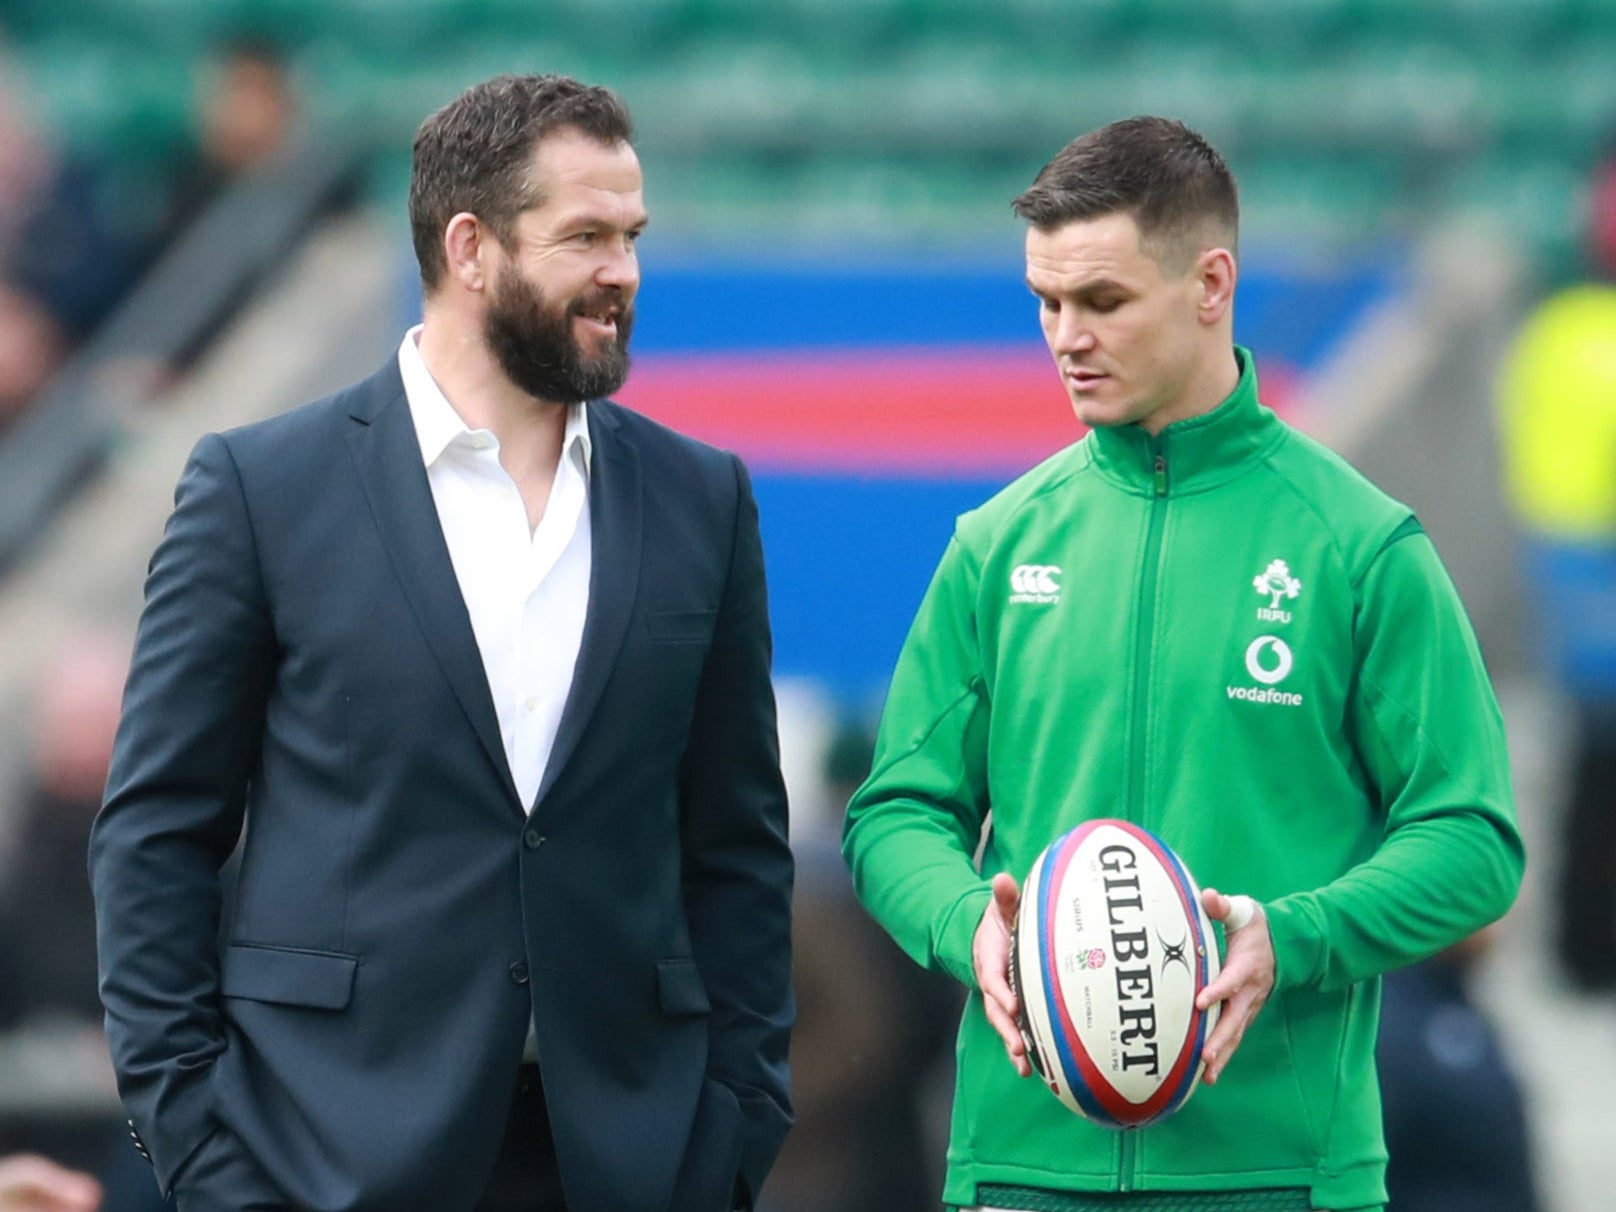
x=601 y=317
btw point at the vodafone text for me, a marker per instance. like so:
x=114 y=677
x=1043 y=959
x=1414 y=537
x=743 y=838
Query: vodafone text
x=1265 y=694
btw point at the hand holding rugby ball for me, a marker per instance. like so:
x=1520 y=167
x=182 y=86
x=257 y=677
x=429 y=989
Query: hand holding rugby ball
x=1110 y=948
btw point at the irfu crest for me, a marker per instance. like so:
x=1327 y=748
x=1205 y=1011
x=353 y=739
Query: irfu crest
x=1276 y=581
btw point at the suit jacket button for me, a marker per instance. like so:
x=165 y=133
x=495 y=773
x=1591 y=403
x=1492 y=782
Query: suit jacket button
x=519 y=973
x=533 y=839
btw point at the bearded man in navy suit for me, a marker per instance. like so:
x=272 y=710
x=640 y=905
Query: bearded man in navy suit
x=481 y=661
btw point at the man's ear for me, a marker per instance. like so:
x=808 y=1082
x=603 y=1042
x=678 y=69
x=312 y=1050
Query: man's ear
x=464 y=240
x=1215 y=277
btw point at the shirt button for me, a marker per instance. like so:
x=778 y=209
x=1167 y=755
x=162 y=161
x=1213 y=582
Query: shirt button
x=530 y=703
x=519 y=973
x=533 y=839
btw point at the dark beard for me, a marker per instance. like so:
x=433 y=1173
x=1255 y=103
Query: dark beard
x=534 y=345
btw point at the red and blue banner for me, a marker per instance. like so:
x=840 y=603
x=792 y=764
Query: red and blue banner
x=875 y=402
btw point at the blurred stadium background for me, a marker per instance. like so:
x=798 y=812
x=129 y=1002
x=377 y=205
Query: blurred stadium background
x=833 y=288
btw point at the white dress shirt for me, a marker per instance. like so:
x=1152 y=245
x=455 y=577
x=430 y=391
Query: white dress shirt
x=527 y=591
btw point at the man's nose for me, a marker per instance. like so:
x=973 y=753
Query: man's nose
x=620 y=268
x=1073 y=333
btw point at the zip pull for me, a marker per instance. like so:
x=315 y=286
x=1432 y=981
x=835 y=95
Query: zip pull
x=1161 y=475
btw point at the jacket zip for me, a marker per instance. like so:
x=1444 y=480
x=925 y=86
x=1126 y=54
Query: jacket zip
x=1141 y=701
x=1150 y=574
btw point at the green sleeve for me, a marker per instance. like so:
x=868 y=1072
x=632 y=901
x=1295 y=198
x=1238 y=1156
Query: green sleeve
x=912 y=829
x=1428 y=732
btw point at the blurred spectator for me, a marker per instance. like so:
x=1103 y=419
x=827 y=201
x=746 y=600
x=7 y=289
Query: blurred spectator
x=47 y=919
x=1456 y=1126
x=33 y=1184
x=83 y=244
x=1558 y=400
x=23 y=162
x=32 y=346
x=249 y=116
x=874 y=1032
x=94 y=223
x=47 y=923
x=30 y=342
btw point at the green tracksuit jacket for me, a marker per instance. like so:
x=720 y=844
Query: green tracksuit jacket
x=1226 y=635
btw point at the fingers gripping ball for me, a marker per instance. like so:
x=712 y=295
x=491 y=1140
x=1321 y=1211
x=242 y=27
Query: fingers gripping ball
x=1110 y=948
x=1241 y=910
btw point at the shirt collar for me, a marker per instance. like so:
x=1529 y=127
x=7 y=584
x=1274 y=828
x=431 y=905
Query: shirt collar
x=1197 y=453
x=438 y=425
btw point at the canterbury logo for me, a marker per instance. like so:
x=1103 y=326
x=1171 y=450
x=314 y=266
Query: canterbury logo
x=1039 y=579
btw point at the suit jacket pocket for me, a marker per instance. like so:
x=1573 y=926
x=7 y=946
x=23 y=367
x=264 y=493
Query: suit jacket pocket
x=319 y=980
x=680 y=626
x=680 y=989
x=712 y=1161
x=221 y=1176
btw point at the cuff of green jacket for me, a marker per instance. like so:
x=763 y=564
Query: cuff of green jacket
x=957 y=931
x=1298 y=942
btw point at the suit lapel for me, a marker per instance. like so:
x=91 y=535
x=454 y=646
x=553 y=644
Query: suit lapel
x=388 y=457
x=615 y=520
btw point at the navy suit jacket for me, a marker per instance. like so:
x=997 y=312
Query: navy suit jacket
x=305 y=664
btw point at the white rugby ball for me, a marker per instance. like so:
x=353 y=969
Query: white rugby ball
x=1109 y=950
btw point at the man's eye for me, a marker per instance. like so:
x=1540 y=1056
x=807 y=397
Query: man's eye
x=1045 y=303
x=1105 y=306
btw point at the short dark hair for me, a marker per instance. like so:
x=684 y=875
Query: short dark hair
x=1169 y=178
x=474 y=154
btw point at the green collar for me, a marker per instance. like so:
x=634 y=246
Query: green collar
x=1196 y=454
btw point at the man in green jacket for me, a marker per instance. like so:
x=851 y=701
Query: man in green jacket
x=1201 y=621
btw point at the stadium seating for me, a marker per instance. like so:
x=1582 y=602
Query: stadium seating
x=1347 y=120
